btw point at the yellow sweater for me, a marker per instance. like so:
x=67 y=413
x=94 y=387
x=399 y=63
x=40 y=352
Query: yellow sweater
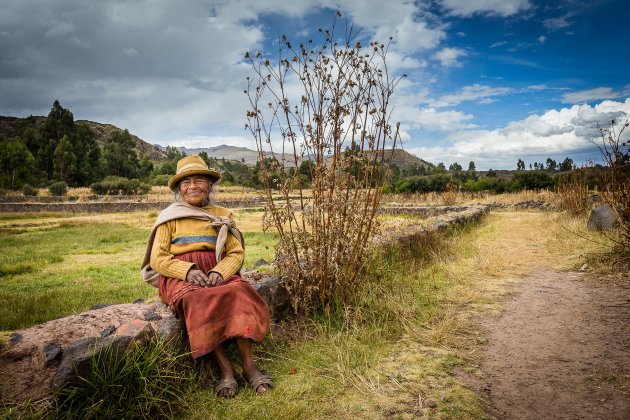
x=178 y=236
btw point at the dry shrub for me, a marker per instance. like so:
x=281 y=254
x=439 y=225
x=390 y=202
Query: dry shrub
x=615 y=181
x=572 y=191
x=322 y=112
x=450 y=195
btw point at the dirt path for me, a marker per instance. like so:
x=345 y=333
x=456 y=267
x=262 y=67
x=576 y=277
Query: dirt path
x=561 y=349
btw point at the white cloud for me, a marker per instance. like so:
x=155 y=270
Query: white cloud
x=542 y=39
x=498 y=44
x=467 y=8
x=448 y=56
x=590 y=95
x=537 y=87
x=470 y=93
x=556 y=134
x=554 y=24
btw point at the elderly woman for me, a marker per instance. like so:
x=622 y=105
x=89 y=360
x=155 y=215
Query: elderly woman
x=194 y=255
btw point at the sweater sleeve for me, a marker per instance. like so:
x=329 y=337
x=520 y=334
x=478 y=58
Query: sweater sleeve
x=233 y=260
x=162 y=260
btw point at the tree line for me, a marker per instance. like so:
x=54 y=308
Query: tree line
x=63 y=150
x=60 y=150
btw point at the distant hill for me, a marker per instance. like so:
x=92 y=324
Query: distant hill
x=102 y=131
x=241 y=154
x=401 y=158
x=12 y=126
x=405 y=160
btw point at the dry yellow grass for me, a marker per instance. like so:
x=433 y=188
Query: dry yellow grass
x=461 y=198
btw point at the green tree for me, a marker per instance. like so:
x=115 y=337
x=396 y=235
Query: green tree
x=64 y=160
x=145 y=167
x=455 y=167
x=551 y=164
x=204 y=155
x=59 y=123
x=88 y=167
x=491 y=173
x=471 y=166
x=121 y=156
x=439 y=169
x=520 y=165
x=566 y=165
x=16 y=163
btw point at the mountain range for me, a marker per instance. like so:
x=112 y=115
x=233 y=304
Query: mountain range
x=12 y=126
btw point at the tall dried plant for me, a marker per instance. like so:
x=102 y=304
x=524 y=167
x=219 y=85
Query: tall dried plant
x=321 y=113
x=572 y=189
x=615 y=186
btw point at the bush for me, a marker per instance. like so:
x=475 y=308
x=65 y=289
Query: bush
x=58 y=188
x=28 y=190
x=160 y=180
x=532 y=180
x=117 y=185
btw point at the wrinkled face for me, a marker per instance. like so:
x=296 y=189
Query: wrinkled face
x=195 y=189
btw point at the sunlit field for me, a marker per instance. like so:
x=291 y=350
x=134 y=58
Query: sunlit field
x=52 y=265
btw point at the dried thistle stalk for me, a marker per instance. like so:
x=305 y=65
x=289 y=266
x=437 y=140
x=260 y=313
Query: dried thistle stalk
x=320 y=115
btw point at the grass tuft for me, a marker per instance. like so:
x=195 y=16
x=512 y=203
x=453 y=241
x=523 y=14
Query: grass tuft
x=149 y=382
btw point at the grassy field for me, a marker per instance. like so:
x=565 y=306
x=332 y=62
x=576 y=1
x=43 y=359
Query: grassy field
x=392 y=353
x=57 y=265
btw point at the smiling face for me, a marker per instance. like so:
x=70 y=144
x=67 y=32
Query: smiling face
x=195 y=189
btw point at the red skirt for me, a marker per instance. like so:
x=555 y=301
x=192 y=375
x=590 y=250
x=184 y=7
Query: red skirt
x=215 y=314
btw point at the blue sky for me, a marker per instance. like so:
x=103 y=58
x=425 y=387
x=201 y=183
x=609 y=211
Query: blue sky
x=488 y=80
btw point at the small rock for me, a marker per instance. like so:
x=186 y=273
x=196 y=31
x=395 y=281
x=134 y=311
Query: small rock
x=52 y=353
x=140 y=300
x=431 y=404
x=99 y=306
x=260 y=263
x=584 y=267
x=15 y=338
x=151 y=316
x=107 y=331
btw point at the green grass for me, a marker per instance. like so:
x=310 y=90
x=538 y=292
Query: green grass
x=367 y=360
x=50 y=271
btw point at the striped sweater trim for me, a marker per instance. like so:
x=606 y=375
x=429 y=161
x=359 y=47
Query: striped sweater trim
x=182 y=240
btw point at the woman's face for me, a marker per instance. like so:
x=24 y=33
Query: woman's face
x=195 y=189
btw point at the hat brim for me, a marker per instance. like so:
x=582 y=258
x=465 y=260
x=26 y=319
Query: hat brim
x=172 y=182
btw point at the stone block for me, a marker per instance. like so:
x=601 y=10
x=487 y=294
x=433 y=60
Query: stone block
x=602 y=218
x=78 y=357
x=171 y=332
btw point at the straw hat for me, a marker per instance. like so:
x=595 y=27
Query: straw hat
x=192 y=165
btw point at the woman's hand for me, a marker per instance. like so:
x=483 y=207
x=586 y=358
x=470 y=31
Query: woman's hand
x=197 y=277
x=215 y=279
